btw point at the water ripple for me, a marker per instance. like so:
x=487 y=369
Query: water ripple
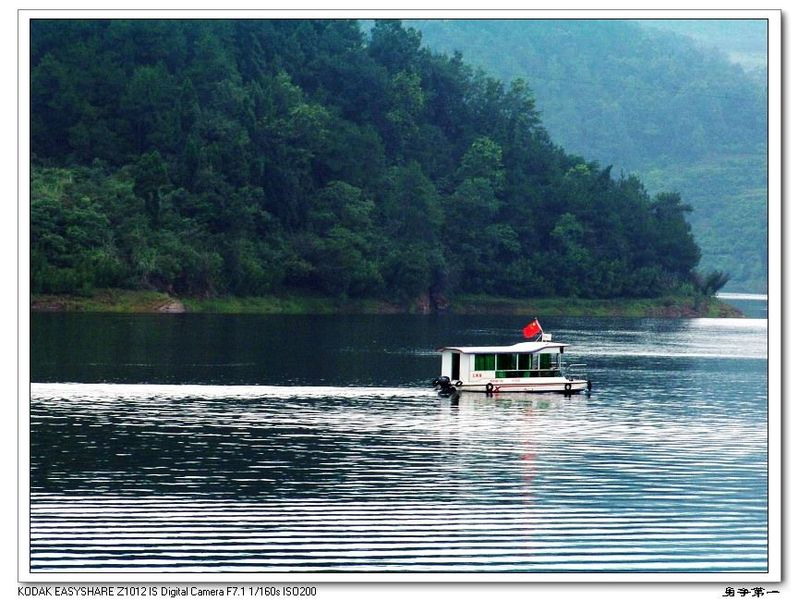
x=154 y=478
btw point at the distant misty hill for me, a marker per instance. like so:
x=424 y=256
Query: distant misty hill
x=646 y=100
x=743 y=42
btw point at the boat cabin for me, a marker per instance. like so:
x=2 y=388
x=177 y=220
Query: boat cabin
x=525 y=366
x=522 y=360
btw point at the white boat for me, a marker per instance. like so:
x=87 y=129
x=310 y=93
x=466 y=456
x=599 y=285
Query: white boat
x=524 y=367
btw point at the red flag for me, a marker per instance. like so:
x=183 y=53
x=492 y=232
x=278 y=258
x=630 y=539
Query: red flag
x=532 y=328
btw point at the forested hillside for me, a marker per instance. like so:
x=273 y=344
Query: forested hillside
x=651 y=102
x=743 y=42
x=248 y=157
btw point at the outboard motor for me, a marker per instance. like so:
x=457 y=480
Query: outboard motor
x=444 y=386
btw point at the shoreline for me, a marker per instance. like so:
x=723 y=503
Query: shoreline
x=138 y=301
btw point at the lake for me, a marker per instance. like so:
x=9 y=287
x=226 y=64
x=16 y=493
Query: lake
x=751 y=305
x=255 y=444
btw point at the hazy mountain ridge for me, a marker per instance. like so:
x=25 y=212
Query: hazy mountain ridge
x=646 y=101
x=741 y=41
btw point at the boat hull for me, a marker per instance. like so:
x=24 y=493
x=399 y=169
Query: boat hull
x=560 y=385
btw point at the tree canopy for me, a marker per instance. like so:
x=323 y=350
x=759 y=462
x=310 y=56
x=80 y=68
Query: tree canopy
x=251 y=156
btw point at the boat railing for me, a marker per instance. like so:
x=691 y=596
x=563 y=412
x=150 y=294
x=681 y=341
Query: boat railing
x=527 y=373
x=577 y=371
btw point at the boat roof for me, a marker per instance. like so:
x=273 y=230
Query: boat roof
x=520 y=347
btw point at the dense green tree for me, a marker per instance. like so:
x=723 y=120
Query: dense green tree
x=150 y=179
x=395 y=47
x=675 y=246
x=249 y=157
x=341 y=245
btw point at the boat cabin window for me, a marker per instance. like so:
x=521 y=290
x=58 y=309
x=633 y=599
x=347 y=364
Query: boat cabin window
x=518 y=365
x=506 y=361
x=485 y=362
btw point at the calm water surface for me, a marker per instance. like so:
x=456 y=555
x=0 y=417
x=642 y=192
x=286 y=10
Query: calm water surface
x=194 y=443
x=751 y=305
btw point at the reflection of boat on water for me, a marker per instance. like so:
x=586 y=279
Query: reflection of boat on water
x=530 y=400
x=533 y=366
